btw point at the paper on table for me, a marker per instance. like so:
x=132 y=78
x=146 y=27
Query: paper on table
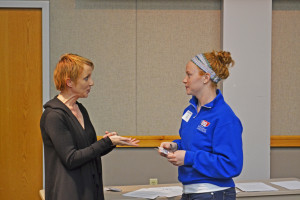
x=255 y=187
x=152 y=193
x=142 y=193
x=291 y=185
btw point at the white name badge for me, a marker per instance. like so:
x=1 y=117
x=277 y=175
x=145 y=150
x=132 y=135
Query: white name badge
x=186 y=117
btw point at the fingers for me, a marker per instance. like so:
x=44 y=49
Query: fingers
x=173 y=159
x=131 y=143
x=162 y=154
x=171 y=156
x=165 y=145
x=110 y=133
x=107 y=134
x=119 y=140
x=135 y=142
x=177 y=158
x=124 y=141
x=170 y=146
x=165 y=155
x=113 y=133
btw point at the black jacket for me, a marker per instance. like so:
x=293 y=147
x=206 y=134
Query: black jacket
x=72 y=154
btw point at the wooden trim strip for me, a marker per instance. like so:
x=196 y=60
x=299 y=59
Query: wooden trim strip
x=154 y=141
x=285 y=141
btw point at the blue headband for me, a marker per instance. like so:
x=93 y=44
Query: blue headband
x=203 y=64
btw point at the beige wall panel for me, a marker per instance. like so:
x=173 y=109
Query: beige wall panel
x=130 y=166
x=166 y=41
x=132 y=49
x=285 y=107
x=108 y=38
x=285 y=162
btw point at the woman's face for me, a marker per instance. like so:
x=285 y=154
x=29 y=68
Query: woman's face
x=193 y=81
x=84 y=83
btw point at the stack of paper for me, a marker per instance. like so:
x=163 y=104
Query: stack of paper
x=152 y=193
x=255 y=187
x=291 y=185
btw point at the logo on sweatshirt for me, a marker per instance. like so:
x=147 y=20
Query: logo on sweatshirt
x=203 y=125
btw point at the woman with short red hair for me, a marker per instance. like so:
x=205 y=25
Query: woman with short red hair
x=72 y=153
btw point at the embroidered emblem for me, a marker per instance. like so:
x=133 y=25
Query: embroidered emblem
x=203 y=125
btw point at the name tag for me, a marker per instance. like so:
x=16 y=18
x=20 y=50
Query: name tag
x=186 y=117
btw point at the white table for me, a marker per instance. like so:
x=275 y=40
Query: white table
x=280 y=194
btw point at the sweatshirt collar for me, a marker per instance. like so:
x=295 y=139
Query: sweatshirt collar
x=219 y=97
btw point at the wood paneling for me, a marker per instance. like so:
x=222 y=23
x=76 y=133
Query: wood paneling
x=20 y=103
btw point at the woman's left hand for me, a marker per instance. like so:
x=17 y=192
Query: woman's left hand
x=176 y=158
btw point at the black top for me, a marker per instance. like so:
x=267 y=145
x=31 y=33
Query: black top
x=72 y=154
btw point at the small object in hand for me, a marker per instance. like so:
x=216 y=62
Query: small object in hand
x=162 y=150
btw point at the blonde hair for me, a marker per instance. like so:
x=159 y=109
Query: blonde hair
x=69 y=66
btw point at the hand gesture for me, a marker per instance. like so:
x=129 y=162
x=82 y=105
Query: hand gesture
x=107 y=134
x=123 y=141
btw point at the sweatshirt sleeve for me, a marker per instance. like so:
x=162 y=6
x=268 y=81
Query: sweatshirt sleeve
x=226 y=158
x=62 y=140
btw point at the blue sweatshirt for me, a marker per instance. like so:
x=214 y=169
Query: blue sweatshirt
x=212 y=140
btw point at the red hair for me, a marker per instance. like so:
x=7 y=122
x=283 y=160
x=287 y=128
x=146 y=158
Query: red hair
x=69 y=66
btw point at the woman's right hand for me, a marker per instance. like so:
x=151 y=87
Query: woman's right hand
x=170 y=146
x=107 y=134
x=123 y=141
